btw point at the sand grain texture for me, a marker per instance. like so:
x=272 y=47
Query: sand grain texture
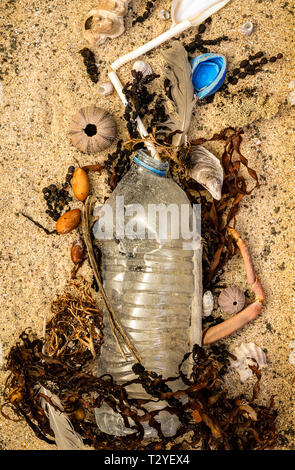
x=44 y=82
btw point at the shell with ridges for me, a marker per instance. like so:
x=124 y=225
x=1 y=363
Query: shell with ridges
x=143 y=67
x=105 y=21
x=92 y=129
x=206 y=169
x=248 y=354
x=105 y=89
x=208 y=303
x=231 y=300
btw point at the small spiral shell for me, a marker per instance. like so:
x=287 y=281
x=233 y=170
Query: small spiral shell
x=231 y=300
x=208 y=303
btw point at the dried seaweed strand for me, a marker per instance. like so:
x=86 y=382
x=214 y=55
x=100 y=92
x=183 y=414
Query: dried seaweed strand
x=117 y=329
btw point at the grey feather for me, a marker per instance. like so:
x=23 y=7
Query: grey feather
x=182 y=91
x=207 y=170
x=66 y=437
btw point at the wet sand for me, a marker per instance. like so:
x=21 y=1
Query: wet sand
x=44 y=82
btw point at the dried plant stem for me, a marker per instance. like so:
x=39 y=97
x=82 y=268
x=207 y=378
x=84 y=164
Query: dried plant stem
x=118 y=331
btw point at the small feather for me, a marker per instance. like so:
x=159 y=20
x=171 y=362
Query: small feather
x=182 y=90
x=66 y=437
x=206 y=169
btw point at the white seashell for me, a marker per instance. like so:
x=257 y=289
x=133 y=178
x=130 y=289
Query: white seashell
x=163 y=15
x=206 y=169
x=248 y=354
x=143 y=67
x=247 y=28
x=105 y=21
x=291 y=98
x=208 y=303
x=105 y=89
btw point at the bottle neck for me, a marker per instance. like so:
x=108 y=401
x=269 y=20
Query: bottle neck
x=151 y=164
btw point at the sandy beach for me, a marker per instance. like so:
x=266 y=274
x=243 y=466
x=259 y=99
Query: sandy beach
x=43 y=83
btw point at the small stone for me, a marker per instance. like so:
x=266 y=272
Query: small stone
x=273 y=59
x=164 y=15
x=291 y=98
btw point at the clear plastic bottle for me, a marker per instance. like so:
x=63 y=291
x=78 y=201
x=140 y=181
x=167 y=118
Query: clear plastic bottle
x=154 y=284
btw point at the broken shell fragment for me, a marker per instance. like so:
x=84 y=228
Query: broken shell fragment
x=80 y=184
x=163 y=15
x=92 y=129
x=68 y=221
x=206 y=169
x=248 y=354
x=247 y=28
x=208 y=73
x=105 y=21
x=231 y=300
x=208 y=303
x=143 y=67
x=105 y=89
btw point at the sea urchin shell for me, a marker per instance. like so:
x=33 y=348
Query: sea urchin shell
x=92 y=129
x=231 y=300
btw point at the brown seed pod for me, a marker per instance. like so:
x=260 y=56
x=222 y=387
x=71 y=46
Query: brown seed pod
x=68 y=221
x=92 y=129
x=231 y=300
x=79 y=414
x=80 y=184
x=77 y=251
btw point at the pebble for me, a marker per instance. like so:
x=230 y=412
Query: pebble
x=291 y=98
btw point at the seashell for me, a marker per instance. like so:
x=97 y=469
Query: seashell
x=208 y=73
x=105 y=89
x=163 y=15
x=68 y=221
x=291 y=98
x=80 y=184
x=248 y=354
x=231 y=300
x=143 y=67
x=105 y=21
x=92 y=129
x=247 y=28
x=208 y=303
x=206 y=169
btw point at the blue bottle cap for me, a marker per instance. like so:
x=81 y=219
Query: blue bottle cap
x=208 y=73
